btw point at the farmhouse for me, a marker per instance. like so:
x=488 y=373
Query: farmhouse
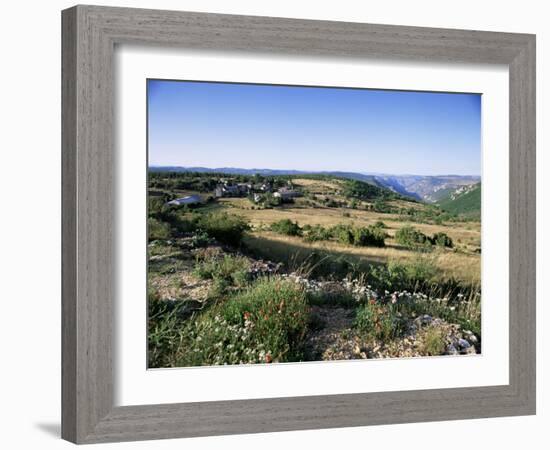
x=286 y=194
x=232 y=190
x=261 y=187
x=188 y=200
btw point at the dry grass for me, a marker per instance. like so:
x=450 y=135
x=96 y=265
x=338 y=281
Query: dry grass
x=318 y=186
x=462 y=262
x=466 y=234
x=462 y=266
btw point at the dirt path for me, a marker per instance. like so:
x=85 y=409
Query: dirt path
x=333 y=337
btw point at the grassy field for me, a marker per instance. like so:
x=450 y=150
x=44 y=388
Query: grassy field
x=462 y=261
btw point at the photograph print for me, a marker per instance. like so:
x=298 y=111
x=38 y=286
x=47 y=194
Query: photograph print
x=290 y=224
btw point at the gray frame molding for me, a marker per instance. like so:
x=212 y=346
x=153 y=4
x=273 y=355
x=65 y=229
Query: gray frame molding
x=89 y=36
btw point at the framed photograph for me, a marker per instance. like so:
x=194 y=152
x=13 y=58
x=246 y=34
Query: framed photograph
x=278 y=224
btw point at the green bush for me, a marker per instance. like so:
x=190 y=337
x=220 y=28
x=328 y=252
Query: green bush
x=412 y=238
x=157 y=229
x=314 y=233
x=265 y=323
x=360 y=236
x=225 y=228
x=229 y=270
x=369 y=236
x=163 y=222
x=434 y=342
x=382 y=207
x=442 y=240
x=418 y=270
x=343 y=234
x=267 y=200
x=200 y=239
x=376 y=320
x=162 y=335
x=397 y=275
x=286 y=227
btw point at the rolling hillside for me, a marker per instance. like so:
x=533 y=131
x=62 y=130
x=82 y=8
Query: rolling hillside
x=425 y=188
x=465 y=201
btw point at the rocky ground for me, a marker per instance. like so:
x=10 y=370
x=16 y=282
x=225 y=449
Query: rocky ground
x=336 y=339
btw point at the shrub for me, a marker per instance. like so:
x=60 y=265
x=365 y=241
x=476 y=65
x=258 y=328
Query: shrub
x=441 y=239
x=343 y=234
x=267 y=200
x=286 y=227
x=163 y=326
x=404 y=275
x=410 y=273
x=200 y=239
x=316 y=233
x=226 y=228
x=229 y=270
x=382 y=207
x=369 y=236
x=157 y=229
x=163 y=222
x=412 y=238
x=376 y=320
x=380 y=224
x=265 y=323
x=434 y=342
x=364 y=236
x=331 y=299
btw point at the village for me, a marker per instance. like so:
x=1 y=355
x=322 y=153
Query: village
x=257 y=192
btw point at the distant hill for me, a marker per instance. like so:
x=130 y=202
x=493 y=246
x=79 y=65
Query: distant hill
x=430 y=189
x=427 y=188
x=465 y=200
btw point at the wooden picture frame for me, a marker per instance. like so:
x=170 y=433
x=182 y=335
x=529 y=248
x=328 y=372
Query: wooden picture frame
x=90 y=34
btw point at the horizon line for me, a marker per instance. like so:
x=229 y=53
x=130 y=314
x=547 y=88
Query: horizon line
x=312 y=171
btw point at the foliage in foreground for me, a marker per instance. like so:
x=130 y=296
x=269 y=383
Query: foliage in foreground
x=226 y=270
x=165 y=222
x=266 y=322
x=377 y=320
x=434 y=342
x=225 y=228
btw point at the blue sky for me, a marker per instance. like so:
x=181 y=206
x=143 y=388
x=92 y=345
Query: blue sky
x=310 y=128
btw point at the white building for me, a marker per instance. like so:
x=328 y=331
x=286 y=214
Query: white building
x=188 y=200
